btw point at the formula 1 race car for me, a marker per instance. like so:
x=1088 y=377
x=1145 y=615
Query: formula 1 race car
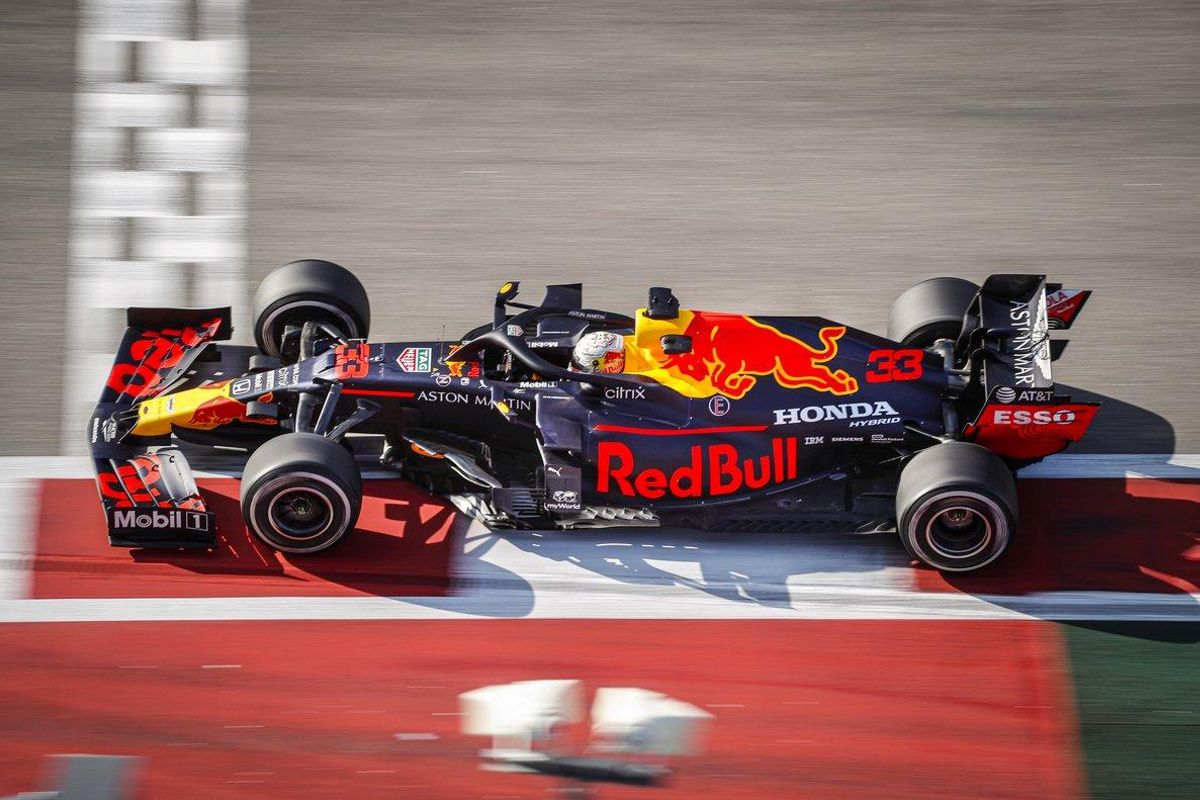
x=714 y=420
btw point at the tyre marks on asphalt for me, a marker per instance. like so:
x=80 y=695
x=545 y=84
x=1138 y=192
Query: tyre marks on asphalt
x=158 y=179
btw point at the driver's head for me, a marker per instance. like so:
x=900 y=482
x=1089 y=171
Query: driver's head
x=600 y=351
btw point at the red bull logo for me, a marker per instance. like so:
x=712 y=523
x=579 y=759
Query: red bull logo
x=457 y=369
x=215 y=413
x=204 y=408
x=731 y=352
x=222 y=410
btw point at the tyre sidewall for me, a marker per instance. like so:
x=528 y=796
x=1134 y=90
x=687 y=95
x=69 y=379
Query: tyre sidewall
x=926 y=336
x=269 y=325
x=913 y=526
x=341 y=504
x=329 y=291
x=930 y=310
x=306 y=462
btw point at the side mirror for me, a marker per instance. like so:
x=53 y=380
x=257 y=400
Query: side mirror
x=508 y=291
x=674 y=344
x=504 y=296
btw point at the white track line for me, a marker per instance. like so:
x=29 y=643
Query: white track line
x=581 y=575
x=18 y=505
x=158 y=176
x=568 y=575
x=1116 y=465
x=578 y=603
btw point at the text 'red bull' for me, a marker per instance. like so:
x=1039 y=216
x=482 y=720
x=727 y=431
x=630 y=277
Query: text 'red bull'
x=711 y=471
x=729 y=350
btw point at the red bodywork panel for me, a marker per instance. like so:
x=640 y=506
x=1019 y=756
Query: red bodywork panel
x=1030 y=431
x=147 y=356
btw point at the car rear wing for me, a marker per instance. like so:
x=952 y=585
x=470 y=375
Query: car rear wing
x=146 y=487
x=1006 y=339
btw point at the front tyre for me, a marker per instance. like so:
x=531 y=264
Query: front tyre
x=301 y=493
x=304 y=291
x=956 y=507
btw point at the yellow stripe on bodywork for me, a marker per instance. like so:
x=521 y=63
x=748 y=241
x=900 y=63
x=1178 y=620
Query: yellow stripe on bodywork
x=158 y=414
x=644 y=354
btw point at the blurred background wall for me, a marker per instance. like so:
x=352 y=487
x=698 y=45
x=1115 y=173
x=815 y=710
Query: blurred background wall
x=791 y=158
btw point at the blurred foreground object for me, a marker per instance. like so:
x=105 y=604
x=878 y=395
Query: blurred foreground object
x=87 y=777
x=637 y=729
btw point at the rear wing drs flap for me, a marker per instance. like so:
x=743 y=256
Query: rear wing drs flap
x=1006 y=336
x=149 y=496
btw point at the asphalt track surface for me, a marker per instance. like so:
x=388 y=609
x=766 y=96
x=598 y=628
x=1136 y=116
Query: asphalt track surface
x=810 y=158
x=835 y=669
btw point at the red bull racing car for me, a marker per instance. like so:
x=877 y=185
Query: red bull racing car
x=704 y=419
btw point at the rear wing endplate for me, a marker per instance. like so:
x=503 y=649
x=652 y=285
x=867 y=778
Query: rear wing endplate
x=1021 y=416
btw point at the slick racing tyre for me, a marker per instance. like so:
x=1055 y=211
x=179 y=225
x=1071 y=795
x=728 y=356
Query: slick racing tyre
x=309 y=290
x=931 y=310
x=301 y=493
x=956 y=507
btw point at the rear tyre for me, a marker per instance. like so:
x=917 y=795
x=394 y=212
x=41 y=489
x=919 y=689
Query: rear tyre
x=931 y=310
x=956 y=507
x=301 y=493
x=309 y=290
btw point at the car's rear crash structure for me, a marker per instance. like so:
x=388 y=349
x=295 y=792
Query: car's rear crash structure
x=746 y=423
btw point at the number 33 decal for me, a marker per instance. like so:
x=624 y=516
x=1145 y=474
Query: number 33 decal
x=894 y=365
x=350 y=361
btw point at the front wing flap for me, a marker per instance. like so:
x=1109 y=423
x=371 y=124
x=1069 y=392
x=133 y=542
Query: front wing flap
x=151 y=500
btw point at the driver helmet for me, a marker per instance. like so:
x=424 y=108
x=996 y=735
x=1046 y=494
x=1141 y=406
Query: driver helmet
x=599 y=351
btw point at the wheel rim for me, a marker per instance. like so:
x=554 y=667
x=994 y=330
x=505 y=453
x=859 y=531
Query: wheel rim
x=959 y=530
x=300 y=513
x=271 y=512
x=272 y=325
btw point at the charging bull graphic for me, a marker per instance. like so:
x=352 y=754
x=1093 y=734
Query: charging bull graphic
x=220 y=411
x=729 y=351
x=200 y=408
